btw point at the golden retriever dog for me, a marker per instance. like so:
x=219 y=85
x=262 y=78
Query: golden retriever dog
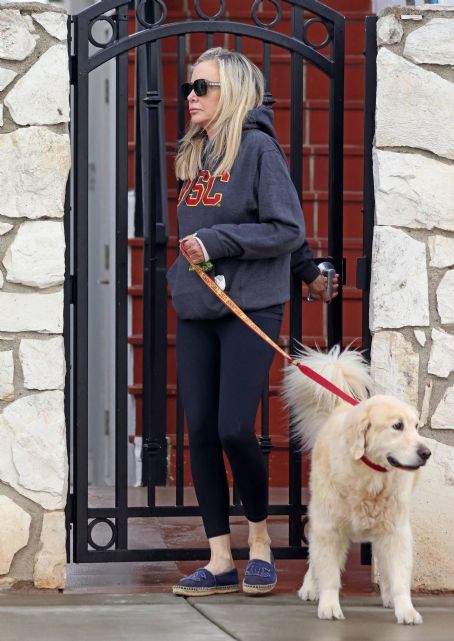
x=364 y=465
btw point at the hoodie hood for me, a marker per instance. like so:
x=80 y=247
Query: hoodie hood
x=262 y=119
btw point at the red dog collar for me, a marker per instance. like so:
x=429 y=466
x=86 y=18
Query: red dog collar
x=374 y=466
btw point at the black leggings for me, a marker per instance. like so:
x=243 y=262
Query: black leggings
x=222 y=370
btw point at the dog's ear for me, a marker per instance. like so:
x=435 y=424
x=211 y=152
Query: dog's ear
x=357 y=424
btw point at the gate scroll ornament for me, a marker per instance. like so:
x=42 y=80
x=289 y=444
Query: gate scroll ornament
x=158 y=8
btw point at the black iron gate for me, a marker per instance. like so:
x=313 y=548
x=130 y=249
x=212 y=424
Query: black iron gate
x=370 y=97
x=154 y=26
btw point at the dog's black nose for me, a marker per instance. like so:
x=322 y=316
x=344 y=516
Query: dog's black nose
x=424 y=453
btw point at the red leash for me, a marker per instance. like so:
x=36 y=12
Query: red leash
x=307 y=371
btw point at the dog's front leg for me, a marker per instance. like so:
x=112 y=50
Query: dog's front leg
x=395 y=551
x=327 y=557
x=385 y=590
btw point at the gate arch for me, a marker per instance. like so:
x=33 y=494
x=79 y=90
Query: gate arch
x=87 y=54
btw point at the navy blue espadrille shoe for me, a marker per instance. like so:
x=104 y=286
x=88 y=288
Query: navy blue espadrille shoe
x=203 y=583
x=260 y=576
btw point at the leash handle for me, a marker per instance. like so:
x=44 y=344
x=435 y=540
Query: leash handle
x=230 y=304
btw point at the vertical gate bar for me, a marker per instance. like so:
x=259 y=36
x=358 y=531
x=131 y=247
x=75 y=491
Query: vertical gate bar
x=296 y=317
x=238 y=43
x=369 y=198
x=121 y=287
x=68 y=355
x=267 y=71
x=181 y=78
x=370 y=98
x=141 y=176
x=145 y=205
x=264 y=439
x=335 y=175
x=149 y=280
x=149 y=290
x=154 y=318
x=209 y=40
x=155 y=288
x=179 y=456
x=80 y=218
x=148 y=325
x=67 y=322
x=138 y=187
x=295 y=460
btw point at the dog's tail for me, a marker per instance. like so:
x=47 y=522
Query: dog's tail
x=309 y=403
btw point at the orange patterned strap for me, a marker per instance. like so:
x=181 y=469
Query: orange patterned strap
x=228 y=302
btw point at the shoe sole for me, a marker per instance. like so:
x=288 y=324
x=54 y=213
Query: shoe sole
x=258 y=589
x=183 y=591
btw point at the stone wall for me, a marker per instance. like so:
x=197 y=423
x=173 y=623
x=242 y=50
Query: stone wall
x=412 y=288
x=34 y=166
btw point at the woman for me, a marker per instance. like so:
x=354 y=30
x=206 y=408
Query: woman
x=239 y=216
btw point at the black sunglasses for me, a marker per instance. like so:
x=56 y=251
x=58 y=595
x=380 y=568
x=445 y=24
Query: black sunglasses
x=199 y=86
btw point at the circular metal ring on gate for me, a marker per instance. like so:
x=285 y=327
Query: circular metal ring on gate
x=304 y=524
x=151 y=25
x=259 y=22
x=205 y=16
x=113 y=24
x=326 y=41
x=112 y=539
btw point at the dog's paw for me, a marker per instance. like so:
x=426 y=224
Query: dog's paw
x=329 y=607
x=387 y=601
x=408 y=616
x=308 y=591
x=330 y=612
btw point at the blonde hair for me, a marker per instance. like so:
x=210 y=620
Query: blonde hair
x=242 y=89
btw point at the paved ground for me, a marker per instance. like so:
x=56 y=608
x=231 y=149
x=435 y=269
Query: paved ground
x=132 y=601
x=162 y=617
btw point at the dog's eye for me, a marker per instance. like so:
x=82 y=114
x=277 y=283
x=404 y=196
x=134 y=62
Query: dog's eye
x=399 y=426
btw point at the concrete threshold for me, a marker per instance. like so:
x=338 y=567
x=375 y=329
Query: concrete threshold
x=163 y=617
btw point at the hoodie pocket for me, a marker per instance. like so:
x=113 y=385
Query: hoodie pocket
x=191 y=298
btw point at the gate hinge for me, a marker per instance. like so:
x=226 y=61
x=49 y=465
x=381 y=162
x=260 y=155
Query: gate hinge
x=73 y=70
x=72 y=289
x=266 y=444
x=363 y=273
x=161 y=234
x=70 y=508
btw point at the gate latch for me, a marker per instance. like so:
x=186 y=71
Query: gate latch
x=151 y=446
x=363 y=273
x=327 y=269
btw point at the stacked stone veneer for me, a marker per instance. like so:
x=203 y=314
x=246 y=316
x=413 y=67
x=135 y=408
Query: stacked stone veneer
x=412 y=289
x=34 y=166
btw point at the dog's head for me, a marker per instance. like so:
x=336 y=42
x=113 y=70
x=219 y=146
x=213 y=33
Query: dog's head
x=385 y=430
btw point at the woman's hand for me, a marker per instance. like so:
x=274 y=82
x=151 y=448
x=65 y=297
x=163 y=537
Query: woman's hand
x=193 y=249
x=318 y=288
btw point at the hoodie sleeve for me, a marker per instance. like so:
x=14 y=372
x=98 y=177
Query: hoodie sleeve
x=302 y=264
x=280 y=227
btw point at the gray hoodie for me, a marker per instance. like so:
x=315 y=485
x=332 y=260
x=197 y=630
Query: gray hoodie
x=249 y=221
